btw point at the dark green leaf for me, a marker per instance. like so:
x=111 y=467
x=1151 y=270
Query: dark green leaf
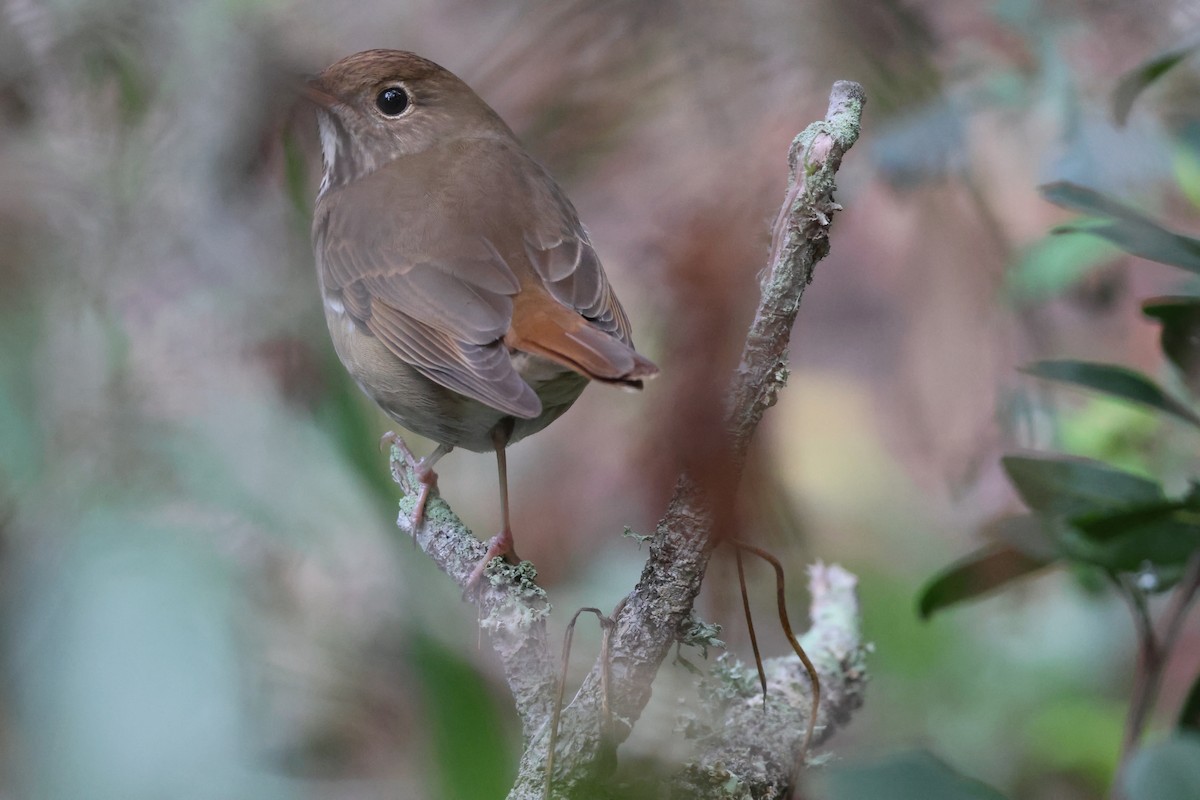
x=1168 y=770
x=1128 y=229
x=1071 y=485
x=1104 y=525
x=1180 y=339
x=1119 y=382
x=462 y=721
x=1189 y=715
x=912 y=776
x=1160 y=535
x=1135 y=80
x=1163 y=545
x=978 y=573
x=1147 y=241
x=1089 y=201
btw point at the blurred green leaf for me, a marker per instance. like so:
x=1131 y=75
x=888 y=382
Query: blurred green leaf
x=130 y=681
x=1169 y=770
x=1118 y=433
x=1185 y=162
x=1104 y=516
x=1071 y=485
x=980 y=572
x=1077 y=734
x=1134 y=81
x=1054 y=263
x=295 y=163
x=473 y=759
x=1180 y=338
x=1104 y=525
x=1166 y=542
x=1189 y=714
x=913 y=776
x=1089 y=201
x=1116 y=381
x=1128 y=229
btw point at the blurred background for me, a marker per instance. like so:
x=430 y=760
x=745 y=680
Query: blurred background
x=203 y=593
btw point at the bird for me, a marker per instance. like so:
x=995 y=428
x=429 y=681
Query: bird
x=461 y=291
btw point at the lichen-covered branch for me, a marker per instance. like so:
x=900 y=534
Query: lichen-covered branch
x=512 y=607
x=650 y=617
x=745 y=749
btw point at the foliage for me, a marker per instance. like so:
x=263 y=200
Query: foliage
x=1143 y=538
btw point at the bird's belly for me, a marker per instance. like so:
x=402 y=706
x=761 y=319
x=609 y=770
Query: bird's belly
x=431 y=410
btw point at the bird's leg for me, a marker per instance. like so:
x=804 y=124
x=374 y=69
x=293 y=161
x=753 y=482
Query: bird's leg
x=422 y=468
x=502 y=543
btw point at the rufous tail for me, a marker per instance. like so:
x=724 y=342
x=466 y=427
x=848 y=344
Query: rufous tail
x=558 y=333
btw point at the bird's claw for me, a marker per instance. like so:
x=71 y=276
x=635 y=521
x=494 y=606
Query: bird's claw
x=499 y=546
x=424 y=473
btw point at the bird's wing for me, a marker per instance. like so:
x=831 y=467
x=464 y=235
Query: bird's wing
x=437 y=296
x=563 y=257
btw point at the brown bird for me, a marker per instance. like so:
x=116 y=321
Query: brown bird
x=460 y=288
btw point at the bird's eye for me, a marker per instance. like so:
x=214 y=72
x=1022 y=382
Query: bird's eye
x=392 y=101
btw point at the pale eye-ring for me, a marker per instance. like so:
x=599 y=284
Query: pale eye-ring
x=392 y=101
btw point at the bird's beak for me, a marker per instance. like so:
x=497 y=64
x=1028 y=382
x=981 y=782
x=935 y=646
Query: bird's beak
x=312 y=91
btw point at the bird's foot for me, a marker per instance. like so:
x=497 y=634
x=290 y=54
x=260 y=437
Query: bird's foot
x=422 y=468
x=499 y=545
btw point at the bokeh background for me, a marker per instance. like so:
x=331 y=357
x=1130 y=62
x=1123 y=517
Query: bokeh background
x=202 y=590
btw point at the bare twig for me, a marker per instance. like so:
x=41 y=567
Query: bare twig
x=1154 y=648
x=1148 y=667
x=1180 y=603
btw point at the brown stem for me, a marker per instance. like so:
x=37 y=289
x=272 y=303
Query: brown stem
x=781 y=601
x=1148 y=671
x=606 y=625
x=758 y=663
x=1180 y=603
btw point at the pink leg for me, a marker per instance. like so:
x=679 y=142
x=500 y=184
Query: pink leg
x=502 y=543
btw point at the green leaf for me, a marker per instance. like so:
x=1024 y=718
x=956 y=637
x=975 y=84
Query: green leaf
x=1148 y=241
x=1078 y=734
x=1189 y=714
x=1180 y=338
x=1105 y=525
x=469 y=743
x=912 y=776
x=983 y=571
x=1164 y=544
x=1169 y=770
x=1071 y=485
x=1128 y=229
x=1089 y=201
x=1053 y=264
x=1137 y=79
x=1185 y=163
x=1116 y=381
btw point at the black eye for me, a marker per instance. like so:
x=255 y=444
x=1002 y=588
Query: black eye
x=392 y=101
